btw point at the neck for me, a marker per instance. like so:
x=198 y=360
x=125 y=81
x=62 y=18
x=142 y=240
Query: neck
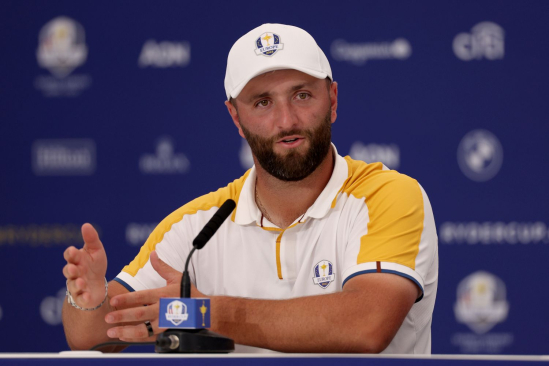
x=283 y=202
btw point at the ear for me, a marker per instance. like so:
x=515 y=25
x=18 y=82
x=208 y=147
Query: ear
x=234 y=115
x=333 y=100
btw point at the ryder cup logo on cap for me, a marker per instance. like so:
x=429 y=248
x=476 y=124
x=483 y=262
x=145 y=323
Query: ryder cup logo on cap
x=299 y=52
x=266 y=48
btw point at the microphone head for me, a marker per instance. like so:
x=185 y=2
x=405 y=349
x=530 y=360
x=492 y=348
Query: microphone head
x=215 y=222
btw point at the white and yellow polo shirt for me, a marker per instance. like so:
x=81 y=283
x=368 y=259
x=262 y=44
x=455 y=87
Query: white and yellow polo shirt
x=367 y=219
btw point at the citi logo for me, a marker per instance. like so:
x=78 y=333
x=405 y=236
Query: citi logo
x=486 y=41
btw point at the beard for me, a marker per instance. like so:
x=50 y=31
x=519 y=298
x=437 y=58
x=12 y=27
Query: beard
x=293 y=166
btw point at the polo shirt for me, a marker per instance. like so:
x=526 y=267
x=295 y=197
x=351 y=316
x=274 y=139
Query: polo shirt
x=367 y=219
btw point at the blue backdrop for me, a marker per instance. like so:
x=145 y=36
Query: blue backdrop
x=112 y=113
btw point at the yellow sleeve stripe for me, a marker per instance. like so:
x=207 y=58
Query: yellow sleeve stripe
x=203 y=203
x=395 y=209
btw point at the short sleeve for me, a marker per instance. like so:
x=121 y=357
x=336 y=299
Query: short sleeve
x=394 y=231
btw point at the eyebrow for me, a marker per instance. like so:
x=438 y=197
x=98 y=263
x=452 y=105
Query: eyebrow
x=268 y=94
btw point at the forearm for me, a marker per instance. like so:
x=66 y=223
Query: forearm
x=307 y=324
x=363 y=318
x=85 y=329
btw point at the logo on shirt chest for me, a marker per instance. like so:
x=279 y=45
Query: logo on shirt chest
x=323 y=273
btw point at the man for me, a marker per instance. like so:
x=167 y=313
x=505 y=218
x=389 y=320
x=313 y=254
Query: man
x=322 y=253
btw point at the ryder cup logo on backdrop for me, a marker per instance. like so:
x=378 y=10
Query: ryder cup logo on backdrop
x=480 y=155
x=176 y=312
x=268 y=44
x=61 y=49
x=323 y=273
x=481 y=302
x=486 y=40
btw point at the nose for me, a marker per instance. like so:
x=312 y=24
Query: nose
x=286 y=116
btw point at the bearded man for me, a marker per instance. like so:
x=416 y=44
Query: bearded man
x=322 y=253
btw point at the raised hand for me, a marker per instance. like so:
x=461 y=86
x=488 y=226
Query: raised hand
x=134 y=310
x=86 y=268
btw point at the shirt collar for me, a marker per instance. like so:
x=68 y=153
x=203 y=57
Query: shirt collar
x=323 y=203
x=247 y=211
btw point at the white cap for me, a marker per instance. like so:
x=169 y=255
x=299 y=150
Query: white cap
x=273 y=47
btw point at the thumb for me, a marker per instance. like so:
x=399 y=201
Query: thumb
x=91 y=238
x=164 y=270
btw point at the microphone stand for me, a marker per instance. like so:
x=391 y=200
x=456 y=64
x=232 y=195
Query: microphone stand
x=176 y=340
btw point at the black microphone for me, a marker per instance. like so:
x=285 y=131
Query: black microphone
x=202 y=238
x=215 y=222
x=197 y=340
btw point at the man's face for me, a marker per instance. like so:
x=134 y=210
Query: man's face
x=286 y=118
x=295 y=164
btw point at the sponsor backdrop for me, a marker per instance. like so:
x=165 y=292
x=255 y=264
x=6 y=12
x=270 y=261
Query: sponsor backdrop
x=112 y=113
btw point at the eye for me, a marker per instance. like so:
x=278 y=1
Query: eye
x=302 y=96
x=262 y=103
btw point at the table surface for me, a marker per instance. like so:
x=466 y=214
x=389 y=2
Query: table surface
x=105 y=359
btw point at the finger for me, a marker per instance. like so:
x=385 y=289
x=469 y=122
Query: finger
x=72 y=255
x=164 y=270
x=144 y=297
x=139 y=340
x=91 y=238
x=70 y=271
x=134 y=333
x=80 y=284
x=138 y=314
x=75 y=286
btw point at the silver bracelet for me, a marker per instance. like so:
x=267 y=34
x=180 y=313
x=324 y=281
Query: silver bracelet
x=70 y=300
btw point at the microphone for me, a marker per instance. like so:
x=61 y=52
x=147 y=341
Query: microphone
x=215 y=222
x=193 y=338
x=202 y=238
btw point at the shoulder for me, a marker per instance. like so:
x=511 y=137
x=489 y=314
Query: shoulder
x=375 y=182
x=213 y=199
x=201 y=204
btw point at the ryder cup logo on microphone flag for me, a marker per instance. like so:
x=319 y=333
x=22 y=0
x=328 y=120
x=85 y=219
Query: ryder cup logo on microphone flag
x=177 y=312
x=267 y=44
x=184 y=313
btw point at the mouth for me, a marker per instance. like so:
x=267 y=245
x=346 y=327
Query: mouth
x=290 y=139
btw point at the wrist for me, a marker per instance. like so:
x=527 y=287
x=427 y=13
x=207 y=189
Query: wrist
x=71 y=301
